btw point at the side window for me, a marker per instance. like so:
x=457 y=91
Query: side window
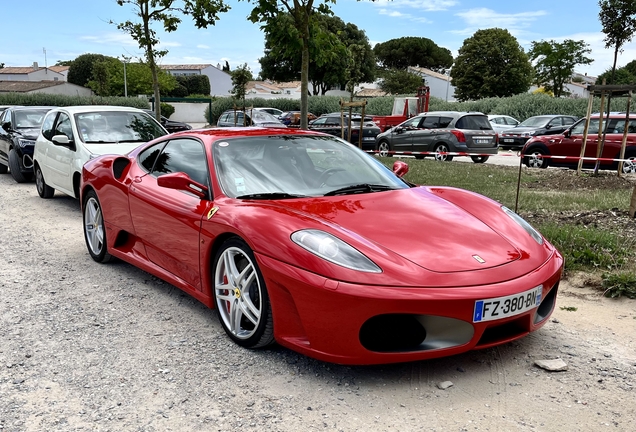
x=556 y=122
x=148 y=157
x=183 y=155
x=5 y=117
x=567 y=120
x=497 y=120
x=63 y=126
x=580 y=127
x=431 y=122
x=445 y=121
x=319 y=122
x=47 y=125
x=411 y=123
x=511 y=121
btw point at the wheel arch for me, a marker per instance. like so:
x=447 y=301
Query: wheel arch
x=77 y=177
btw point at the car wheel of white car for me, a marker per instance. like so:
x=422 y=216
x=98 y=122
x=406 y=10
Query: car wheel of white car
x=44 y=190
x=384 y=149
x=241 y=296
x=95 y=229
x=442 y=148
x=629 y=166
x=535 y=159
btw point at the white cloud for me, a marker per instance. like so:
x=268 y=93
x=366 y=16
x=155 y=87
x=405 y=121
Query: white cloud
x=203 y=47
x=111 y=38
x=396 y=14
x=422 y=5
x=481 y=18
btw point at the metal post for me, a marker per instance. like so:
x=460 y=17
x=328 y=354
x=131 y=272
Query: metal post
x=125 y=81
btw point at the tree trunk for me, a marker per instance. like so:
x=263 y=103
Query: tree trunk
x=609 y=101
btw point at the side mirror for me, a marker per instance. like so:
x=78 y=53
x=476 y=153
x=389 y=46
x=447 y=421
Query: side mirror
x=400 y=168
x=181 y=181
x=399 y=129
x=6 y=126
x=548 y=126
x=567 y=133
x=61 y=140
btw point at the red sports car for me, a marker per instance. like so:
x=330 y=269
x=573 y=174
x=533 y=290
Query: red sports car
x=299 y=238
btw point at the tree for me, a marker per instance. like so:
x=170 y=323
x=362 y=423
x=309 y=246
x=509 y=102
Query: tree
x=330 y=52
x=399 y=81
x=413 y=51
x=80 y=71
x=491 y=63
x=101 y=78
x=555 y=62
x=240 y=77
x=266 y=12
x=226 y=68
x=204 y=13
x=618 y=19
x=621 y=76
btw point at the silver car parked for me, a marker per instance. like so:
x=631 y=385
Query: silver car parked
x=438 y=133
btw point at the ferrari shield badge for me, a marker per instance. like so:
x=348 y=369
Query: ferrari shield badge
x=212 y=212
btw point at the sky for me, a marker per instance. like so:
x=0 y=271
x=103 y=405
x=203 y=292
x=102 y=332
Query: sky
x=47 y=32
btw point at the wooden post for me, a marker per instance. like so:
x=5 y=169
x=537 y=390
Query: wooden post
x=632 y=206
x=624 y=142
x=585 y=131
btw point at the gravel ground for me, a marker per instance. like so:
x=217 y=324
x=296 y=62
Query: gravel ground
x=93 y=347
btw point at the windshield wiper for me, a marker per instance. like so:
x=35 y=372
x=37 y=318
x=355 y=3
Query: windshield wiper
x=270 y=196
x=359 y=188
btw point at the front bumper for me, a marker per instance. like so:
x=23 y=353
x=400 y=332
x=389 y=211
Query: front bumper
x=347 y=323
x=506 y=141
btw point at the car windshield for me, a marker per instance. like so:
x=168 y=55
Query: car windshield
x=259 y=116
x=285 y=166
x=117 y=126
x=539 y=121
x=29 y=119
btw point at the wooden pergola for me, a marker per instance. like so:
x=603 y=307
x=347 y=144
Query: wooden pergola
x=602 y=91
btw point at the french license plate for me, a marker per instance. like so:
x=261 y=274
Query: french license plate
x=368 y=138
x=508 y=140
x=482 y=141
x=502 y=307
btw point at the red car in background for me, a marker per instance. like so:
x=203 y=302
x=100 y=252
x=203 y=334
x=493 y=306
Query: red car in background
x=299 y=238
x=567 y=146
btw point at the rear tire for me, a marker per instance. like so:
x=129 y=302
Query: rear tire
x=16 y=168
x=45 y=191
x=630 y=167
x=479 y=159
x=442 y=148
x=95 y=228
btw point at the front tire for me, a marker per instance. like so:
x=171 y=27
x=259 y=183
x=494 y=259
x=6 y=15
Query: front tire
x=534 y=159
x=383 y=149
x=95 y=229
x=45 y=191
x=442 y=148
x=241 y=297
x=629 y=167
x=479 y=159
x=16 y=169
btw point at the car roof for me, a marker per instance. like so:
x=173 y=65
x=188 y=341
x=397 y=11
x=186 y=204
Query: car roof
x=217 y=133
x=93 y=108
x=23 y=108
x=454 y=113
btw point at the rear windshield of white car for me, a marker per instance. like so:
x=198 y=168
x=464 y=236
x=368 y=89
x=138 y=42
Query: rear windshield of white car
x=117 y=126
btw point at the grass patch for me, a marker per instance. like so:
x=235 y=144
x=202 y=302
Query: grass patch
x=620 y=284
x=589 y=248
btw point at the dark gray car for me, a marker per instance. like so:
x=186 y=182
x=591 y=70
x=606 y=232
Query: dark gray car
x=535 y=126
x=439 y=133
x=231 y=118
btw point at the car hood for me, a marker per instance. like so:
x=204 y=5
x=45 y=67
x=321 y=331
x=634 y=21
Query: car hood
x=522 y=130
x=112 y=148
x=31 y=133
x=419 y=226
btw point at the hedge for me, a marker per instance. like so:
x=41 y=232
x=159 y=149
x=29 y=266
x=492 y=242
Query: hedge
x=42 y=99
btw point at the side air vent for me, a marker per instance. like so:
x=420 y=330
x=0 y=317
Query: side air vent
x=120 y=166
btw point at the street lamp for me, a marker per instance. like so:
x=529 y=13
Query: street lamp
x=126 y=60
x=447 y=82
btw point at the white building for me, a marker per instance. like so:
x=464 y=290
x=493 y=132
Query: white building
x=438 y=83
x=220 y=81
x=32 y=73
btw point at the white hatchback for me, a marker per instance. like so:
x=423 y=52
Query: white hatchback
x=70 y=136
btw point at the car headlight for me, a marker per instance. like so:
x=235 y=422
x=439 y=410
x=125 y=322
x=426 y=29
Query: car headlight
x=25 y=142
x=334 y=250
x=525 y=225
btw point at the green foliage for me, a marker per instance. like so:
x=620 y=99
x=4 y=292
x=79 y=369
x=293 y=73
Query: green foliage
x=43 y=99
x=412 y=51
x=400 y=81
x=555 y=62
x=619 y=284
x=178 y=91
x=621 y=76
x=240 y=77
x=80 y=71
x=490 y=63
x=194 y=84
x=166 y=109
x=337 y=52
x=100 y=83
x=618 y=19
